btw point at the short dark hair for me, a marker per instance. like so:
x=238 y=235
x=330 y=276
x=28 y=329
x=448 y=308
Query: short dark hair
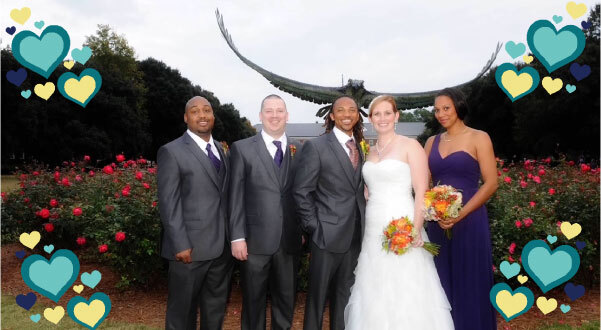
x=458 y=99
x=270 y=96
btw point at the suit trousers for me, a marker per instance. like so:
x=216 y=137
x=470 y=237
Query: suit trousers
x=331 y=275
x=204 y=284
x=276 y=273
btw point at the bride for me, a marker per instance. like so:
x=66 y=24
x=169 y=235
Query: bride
x=395 y=291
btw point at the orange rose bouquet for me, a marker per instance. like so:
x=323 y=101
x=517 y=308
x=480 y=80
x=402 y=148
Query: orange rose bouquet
x=442 y=202
x=398 y=236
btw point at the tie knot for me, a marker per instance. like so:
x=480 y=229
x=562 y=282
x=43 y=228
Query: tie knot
x=278 y=144
x=208 y=146
x=350 y=143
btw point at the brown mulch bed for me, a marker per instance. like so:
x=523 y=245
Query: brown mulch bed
x=148 y=306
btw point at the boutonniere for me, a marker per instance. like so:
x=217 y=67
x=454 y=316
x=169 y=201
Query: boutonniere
x=365 y=149
x=225 y=147
x=292 y=150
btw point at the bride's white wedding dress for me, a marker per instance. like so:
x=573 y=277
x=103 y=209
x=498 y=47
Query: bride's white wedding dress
x=392 y=291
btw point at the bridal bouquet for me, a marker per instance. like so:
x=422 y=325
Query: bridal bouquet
x=398 y=236
x=442 y=202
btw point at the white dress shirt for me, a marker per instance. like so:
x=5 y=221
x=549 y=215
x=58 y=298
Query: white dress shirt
x=343 y=139
x=203 y=144
x=270 y=146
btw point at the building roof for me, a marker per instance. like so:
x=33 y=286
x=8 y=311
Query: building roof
x=316 y=129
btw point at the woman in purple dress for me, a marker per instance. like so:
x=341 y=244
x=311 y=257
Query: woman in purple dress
x=459 y=157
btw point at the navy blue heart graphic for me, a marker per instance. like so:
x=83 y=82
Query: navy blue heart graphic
x=574 y=291
x=20 y=254
x=580 y=71
x=585 y=25
x=26 y=301
x=16 y=77
x=580 y=245
x=11 y=30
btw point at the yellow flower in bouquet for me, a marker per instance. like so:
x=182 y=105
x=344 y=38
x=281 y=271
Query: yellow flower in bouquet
x=442 y=202
x=398 y=236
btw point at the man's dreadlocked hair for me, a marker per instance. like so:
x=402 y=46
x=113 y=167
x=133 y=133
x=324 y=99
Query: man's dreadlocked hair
x=357 y=129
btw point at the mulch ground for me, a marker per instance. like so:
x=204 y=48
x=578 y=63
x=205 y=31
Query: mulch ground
x=148 y=306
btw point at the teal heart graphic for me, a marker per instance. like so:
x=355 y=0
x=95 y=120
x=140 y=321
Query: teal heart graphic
x=570 y=88
x=49 y=248
x=552 y=239
x=96 y=296
x=515 y=50
x=44 y=53
x=565 y=308
x=509 y=270
x=557 y=19
x=70 y=75
x=503 y=286
x=555 y=48
x=36 y=317
x=39 y=24
x=510 y=67
x=51 y=278
x=549 y=268
x=92 y=279
x=81 y=55
x=26 y=94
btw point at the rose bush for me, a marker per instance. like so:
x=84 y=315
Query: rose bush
x=109 y=215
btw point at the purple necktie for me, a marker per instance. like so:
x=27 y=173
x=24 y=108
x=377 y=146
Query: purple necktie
x=279 y=154
x=213 y=158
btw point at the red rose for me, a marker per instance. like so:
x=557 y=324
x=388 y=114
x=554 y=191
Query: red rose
x=3 y=195
x=86 y=158
x=78 y=177
x=541 y=172
x=113 y=165
x=120 y=158
x=498 y=173
x=77 y=211
x=532 y=204
x=65 y=182
x=507 y=179
x=141 y=161
x=120 y=236
x=125 y=192
x=511 y=259
x=57 y=176
x=49 y=227
x=103 y=248
x=108 y=170
x=523 y=184
x=54 y=216
x=585 y=168
x=571 y=163
x=536 y=179
x=154 y=204
x=92 y=173
x=547 y=160
x=527 y=222
x=72 y=164
x=551 y=191
x=81 y=241
x=505 y=169
x=109 y=208
x=152 y=170
x=36 y=173
x=512 y=248
x=26 y=200
x=529 y=175
x=146 y=185
x=139 y=176
x=125 y=165
x=53 y=202
x=44 y=213
x=518 y=224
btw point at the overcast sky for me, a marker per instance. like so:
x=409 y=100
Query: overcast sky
x=394 y=46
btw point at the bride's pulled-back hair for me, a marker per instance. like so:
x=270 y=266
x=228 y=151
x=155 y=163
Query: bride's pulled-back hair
x=380 y=99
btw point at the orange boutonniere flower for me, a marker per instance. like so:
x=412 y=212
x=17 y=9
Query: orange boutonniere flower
x=225 y=147
x=292 y=150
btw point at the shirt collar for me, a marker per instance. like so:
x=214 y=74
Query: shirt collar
x=201 y=143
x=269 y=139
x=341 y=136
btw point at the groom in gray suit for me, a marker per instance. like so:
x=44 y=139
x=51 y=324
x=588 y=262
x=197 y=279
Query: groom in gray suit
x=192 y=186
x=329 y=193
x=265 y=233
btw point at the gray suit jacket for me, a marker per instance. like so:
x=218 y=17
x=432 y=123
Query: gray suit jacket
x=192 y=199
x=329 y=193
x=261 y=207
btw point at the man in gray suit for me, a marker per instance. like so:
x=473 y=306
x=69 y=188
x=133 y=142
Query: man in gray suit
x=329 y=194
x=265 y=233
x=192 y=185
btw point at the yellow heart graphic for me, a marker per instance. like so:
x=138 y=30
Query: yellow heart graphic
x=511 y=304
x=30 y=240
x=20 y=16
x=575 y=10
x=570 y=230
x=78 y=288
x=82 y=89
x=546 y=306
x=69 y=64
x=552 y=85
x=44 y=91
x=89 y=314
x=515 y=84
x=54 y=315
x=522 y=279
x=528 y=59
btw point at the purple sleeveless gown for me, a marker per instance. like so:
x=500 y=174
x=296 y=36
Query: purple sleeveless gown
x=465 y=261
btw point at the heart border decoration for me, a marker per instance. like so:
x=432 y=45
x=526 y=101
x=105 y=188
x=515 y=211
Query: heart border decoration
x=494 y=291
x=580 y=40
x=96 y=296
x=70 y=75
x=36 y=257
x=16 y=47
x=510 y=67
x=534 y=244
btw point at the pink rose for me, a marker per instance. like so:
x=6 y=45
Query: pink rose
x=108 y=170
x=541 y=172
x=86 y=158
x=139 y=176
x=91 y=173
x=536 y=179
x=77 y=211
x=527 y=222
x=532 y=204
x=120 y=158
x=81 y=241
x=518 y=224
x=53 y=202
x=523 y=184
x=507 y=179
x=146 y=185
x=512 y=248
x=103 y=248
x=551 y=191
x=120 y=236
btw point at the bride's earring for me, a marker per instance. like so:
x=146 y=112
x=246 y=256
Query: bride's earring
x=395 y=126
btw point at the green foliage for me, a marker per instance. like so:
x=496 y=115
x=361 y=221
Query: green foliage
x=418 y=115
x=110 y=203
x=575 y=199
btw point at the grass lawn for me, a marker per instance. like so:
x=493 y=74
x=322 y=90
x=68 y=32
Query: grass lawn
x=15 y=317
x=587 y=325
x=9 y=182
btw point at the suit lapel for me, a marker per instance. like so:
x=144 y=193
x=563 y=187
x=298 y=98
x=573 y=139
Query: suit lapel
x=224 y=162
x=287 y=163
x=202 y=158
x=343 y=158
x=266 y=158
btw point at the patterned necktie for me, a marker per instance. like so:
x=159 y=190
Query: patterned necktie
x=216 y=162
x=354 y=154
x=279 y=154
